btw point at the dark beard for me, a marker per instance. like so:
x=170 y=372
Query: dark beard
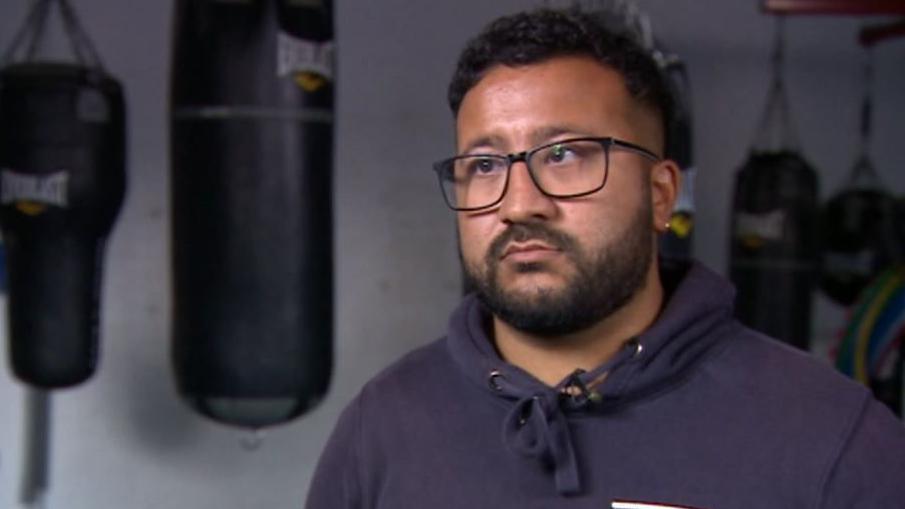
x=603 y=281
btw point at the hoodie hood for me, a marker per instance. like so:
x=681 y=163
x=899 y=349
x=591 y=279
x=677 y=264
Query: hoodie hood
x=698 y=301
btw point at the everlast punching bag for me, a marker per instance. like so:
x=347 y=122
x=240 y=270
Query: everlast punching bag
x=62 y=181
x=860 y=237
x=860 y=234
x=676 y=243
x=252 y=137
x=626 y=18
x=774 y=227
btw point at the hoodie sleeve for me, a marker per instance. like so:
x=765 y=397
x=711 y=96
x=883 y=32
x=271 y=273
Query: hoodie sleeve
x=870 y=471
x=336 y=483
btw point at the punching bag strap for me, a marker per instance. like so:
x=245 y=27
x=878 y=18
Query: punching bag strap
x=867 y=102
x=775 y=132
x=864 y=175
x=34 y=27
x=80 y=40
x=33 y=31
x=36 y=448
x=676 y=72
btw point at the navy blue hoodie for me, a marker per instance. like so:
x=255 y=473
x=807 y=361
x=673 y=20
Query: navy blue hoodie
x=697 y=412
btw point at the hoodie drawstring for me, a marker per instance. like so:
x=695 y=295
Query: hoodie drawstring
x=537 y=428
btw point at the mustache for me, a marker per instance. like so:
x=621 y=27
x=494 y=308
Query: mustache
x=523 y=232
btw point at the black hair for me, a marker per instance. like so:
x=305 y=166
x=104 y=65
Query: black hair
x=535 y=36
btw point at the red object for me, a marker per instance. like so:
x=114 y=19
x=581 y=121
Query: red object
x=871 y=35
x=868 y=36
x=849 y=7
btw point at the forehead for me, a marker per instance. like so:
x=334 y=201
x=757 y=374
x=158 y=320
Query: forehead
x=525 y=104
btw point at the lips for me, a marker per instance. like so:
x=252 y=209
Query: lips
x=526 y=249
x=529 y=243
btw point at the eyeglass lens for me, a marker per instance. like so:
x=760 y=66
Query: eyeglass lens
x=561 y=169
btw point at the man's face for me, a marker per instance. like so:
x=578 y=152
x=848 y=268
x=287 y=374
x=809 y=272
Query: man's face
x=552 y=266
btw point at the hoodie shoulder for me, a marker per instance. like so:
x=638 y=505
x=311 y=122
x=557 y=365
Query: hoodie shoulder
x=417 y=366
x=782 y=373
x=861 y=442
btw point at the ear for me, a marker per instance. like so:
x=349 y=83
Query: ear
x=665 y=182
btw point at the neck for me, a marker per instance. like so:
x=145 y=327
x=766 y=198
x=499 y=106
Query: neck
x=551 y=359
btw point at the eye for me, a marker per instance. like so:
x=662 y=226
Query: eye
x=560 y=153
x=484 y=165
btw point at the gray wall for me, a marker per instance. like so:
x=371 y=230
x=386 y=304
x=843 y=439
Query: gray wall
x=125 y=440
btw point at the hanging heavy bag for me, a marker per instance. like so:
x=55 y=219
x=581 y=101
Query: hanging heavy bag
x=860 y=236
x=676 y=243
x=251 y=140
x=860 y=239
x=62 y=181
x=625 y=17
x=773 y=238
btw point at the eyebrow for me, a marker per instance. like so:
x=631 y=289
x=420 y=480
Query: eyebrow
x=489 y=141
x=546 y=134
x=538 y=137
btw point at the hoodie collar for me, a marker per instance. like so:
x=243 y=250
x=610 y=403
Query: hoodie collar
x=536 y=425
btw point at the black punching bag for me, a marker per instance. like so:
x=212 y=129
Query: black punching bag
x=251 y=147
x=676 y=244
x=860 y=238
x=860 y=234
x=774 y=244
x=774 y=227
x=62 y=182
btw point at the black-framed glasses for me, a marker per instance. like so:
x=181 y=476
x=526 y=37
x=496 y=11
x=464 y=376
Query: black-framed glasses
x=563 y=169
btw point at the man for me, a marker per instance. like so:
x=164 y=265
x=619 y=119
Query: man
x=578 y=375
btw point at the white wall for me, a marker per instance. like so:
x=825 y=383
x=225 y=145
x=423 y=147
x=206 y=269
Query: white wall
x=125 y=440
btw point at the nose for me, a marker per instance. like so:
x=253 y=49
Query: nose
x=524 y=201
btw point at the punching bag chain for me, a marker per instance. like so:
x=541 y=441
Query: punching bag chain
x=779 y=54
x=622 y=14
x=775 y=132
x=34 y=27
x=37 y=35
x=867 y=102
x=78 y=36
x=864 y=175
